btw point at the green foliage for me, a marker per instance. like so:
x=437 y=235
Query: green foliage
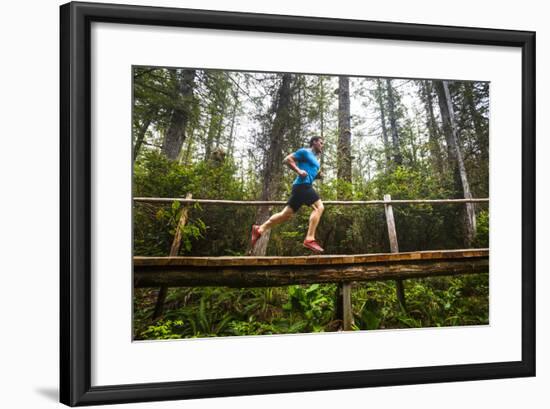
x=214 y=312
x=209 y=312
x=423 y=226
x=154 y=226
x=164 y=330
x=482 y=234
x=313 y=302
x=431 y=302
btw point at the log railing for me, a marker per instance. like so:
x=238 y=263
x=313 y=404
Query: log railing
x=176 y=271
x=182 y=200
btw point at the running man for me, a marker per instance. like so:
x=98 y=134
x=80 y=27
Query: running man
x=306 y=164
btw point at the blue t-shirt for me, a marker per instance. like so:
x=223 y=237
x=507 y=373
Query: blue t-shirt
x=306 y=160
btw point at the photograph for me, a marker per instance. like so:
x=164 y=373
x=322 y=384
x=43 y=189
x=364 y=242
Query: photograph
x=269 y=203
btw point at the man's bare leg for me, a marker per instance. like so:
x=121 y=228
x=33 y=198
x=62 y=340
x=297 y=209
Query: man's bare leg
x=276 y=219
x=316 y=214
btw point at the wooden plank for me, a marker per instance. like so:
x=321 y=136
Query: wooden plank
x=244 y=261
x=261 y=276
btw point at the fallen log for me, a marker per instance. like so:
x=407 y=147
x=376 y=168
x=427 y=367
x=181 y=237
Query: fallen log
x=282 y=271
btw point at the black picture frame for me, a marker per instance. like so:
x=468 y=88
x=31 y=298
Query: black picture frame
x=76 y=199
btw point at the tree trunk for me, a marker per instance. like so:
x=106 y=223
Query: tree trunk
x=433 y=129
x=480 y=138
x=217 y=90
x=344 y=130
x=455 y=156
x=272 y=171
x=153 y=272
x=140 y=136
x=183 y=95
x=343 y=290
x=396 y=151
x=231 y=142
x=385 y=138
x=322 y=106
x=209 y=139
x=186 y=159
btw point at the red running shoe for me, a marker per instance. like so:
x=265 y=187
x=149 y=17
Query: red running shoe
x=255 y=235
x=313 y=246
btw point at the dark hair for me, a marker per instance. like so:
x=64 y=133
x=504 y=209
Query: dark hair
x=314 y=139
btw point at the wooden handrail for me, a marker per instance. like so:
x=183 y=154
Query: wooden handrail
x=282 y=202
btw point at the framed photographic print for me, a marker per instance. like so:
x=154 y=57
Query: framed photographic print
x=261 y=203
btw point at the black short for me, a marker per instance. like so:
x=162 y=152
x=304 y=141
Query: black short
x=302 y=194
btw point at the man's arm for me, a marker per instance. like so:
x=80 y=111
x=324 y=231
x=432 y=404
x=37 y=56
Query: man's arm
x=291 y=163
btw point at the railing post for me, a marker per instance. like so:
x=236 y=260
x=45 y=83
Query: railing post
x=346 y=306
x=394 y=247
x=344 y=312
x=174 y=250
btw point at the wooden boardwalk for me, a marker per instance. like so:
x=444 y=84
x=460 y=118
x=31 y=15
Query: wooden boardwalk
x=281 y=271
